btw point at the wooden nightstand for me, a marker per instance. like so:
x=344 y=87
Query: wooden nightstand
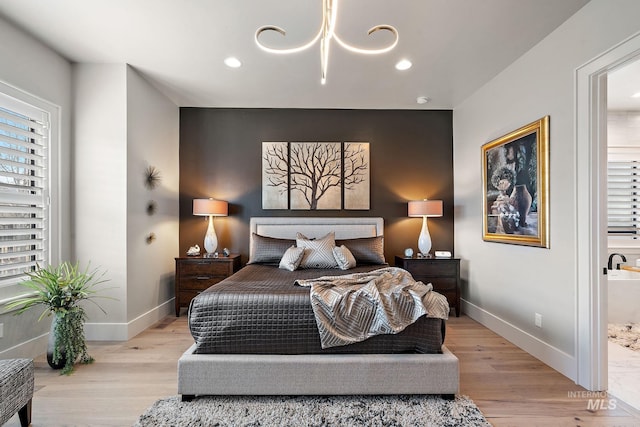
x=443 y=273
x=195 y=274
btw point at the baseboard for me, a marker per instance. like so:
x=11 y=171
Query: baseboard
x=548 y=354
x=29 y=349
x=126 y=331
x=151 y=317
x=94 y=332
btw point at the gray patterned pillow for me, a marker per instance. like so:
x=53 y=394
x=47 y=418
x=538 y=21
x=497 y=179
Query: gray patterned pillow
x=268 y=250
x=318 y=253
x=367 y=250
x=291 y=258
x=344 y=258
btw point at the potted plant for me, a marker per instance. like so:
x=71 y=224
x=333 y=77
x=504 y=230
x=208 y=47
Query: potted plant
x=60 y=290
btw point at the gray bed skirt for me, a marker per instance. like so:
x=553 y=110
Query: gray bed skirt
x=317 y=374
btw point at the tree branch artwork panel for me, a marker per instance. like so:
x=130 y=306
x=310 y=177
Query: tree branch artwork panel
x=315 y=174
x=275 y=175
x=356 y=175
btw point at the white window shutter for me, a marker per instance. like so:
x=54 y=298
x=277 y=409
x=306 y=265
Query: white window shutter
x=23 y=188
x=623 y=194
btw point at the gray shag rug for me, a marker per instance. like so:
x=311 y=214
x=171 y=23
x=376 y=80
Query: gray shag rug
x=401 y=410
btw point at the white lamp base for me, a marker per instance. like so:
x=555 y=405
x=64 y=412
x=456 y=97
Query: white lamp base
x=424 y=241
x=210 y=239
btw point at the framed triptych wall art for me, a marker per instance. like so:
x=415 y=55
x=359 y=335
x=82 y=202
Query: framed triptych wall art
x=356 y=175
x=315 y=175
x=275 y=175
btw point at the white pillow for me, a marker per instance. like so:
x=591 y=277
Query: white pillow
x=291 y=258
x=318 y=253
x=344 y=257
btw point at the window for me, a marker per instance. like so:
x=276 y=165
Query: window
x=24 y=188
x=623 y=193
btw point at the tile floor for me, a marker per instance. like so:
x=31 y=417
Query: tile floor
x=624 y=374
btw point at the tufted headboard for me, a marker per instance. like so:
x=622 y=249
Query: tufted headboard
x=287 y=227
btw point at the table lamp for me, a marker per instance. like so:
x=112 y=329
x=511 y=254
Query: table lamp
x=425 y=208
x=210 y=208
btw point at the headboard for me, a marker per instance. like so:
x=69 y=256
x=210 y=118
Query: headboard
x=287 y=227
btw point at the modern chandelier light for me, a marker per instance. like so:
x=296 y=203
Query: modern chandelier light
x=325 y=35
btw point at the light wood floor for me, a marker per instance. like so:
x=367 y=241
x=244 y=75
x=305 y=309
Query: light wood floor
x=509 y=386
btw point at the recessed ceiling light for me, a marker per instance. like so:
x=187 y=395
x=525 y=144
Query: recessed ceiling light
x=636 y=95
x=403 y=64
x=422 y=100
x=232 y=62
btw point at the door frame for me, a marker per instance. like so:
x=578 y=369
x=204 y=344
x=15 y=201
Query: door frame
x=591 y=219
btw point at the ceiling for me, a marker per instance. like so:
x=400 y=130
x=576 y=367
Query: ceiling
x=456 y=46
x=622 y=84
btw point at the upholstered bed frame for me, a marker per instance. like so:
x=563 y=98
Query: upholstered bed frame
x=313 y=374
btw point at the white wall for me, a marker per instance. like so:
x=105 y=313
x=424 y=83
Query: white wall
x=152 y=136
x=31 y=67
x=123 y=125
x=100 y=184
x=506 y=284
x=623 y=128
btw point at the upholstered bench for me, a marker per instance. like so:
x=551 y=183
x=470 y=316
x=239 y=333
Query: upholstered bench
x=16 y=389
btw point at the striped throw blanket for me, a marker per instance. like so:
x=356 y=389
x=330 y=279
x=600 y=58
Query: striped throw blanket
x=354 y=307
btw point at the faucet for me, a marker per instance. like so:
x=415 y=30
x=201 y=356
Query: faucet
x=610 y=265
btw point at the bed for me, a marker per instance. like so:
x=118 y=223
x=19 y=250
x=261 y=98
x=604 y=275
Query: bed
x=402 y=363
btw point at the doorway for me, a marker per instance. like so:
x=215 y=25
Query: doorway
x=623 y=287
x=591 y=225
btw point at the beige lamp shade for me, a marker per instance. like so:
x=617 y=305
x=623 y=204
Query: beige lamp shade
x=425 y=208
x=213 y=207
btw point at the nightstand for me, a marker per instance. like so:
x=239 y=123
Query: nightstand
x=443 y=273
x=195 y=274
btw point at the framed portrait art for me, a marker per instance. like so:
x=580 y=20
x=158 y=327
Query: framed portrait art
x=515 y=185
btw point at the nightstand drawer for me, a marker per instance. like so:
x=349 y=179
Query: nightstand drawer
x=441 y=284
x=451 y=295
x=195 y=274
x=205 y=268
x=432 y=269
x=199 y=283
x=443 y=274
x=187 y=295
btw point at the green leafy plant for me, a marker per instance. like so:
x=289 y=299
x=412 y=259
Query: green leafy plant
x=60 y=289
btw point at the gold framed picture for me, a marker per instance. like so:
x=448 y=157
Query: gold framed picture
x=515 y=186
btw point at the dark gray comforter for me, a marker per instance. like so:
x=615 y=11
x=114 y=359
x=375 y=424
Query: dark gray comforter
x=260 y=310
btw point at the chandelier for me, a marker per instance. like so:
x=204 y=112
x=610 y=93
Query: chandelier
x=327 y=33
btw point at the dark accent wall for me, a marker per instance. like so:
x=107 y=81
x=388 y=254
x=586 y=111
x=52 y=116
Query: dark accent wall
x=411 y=158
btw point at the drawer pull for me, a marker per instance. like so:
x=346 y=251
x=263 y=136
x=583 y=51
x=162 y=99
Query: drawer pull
x=203 y=277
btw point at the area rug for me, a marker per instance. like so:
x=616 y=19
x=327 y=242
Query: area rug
x=626 y=335
x=409 y=410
